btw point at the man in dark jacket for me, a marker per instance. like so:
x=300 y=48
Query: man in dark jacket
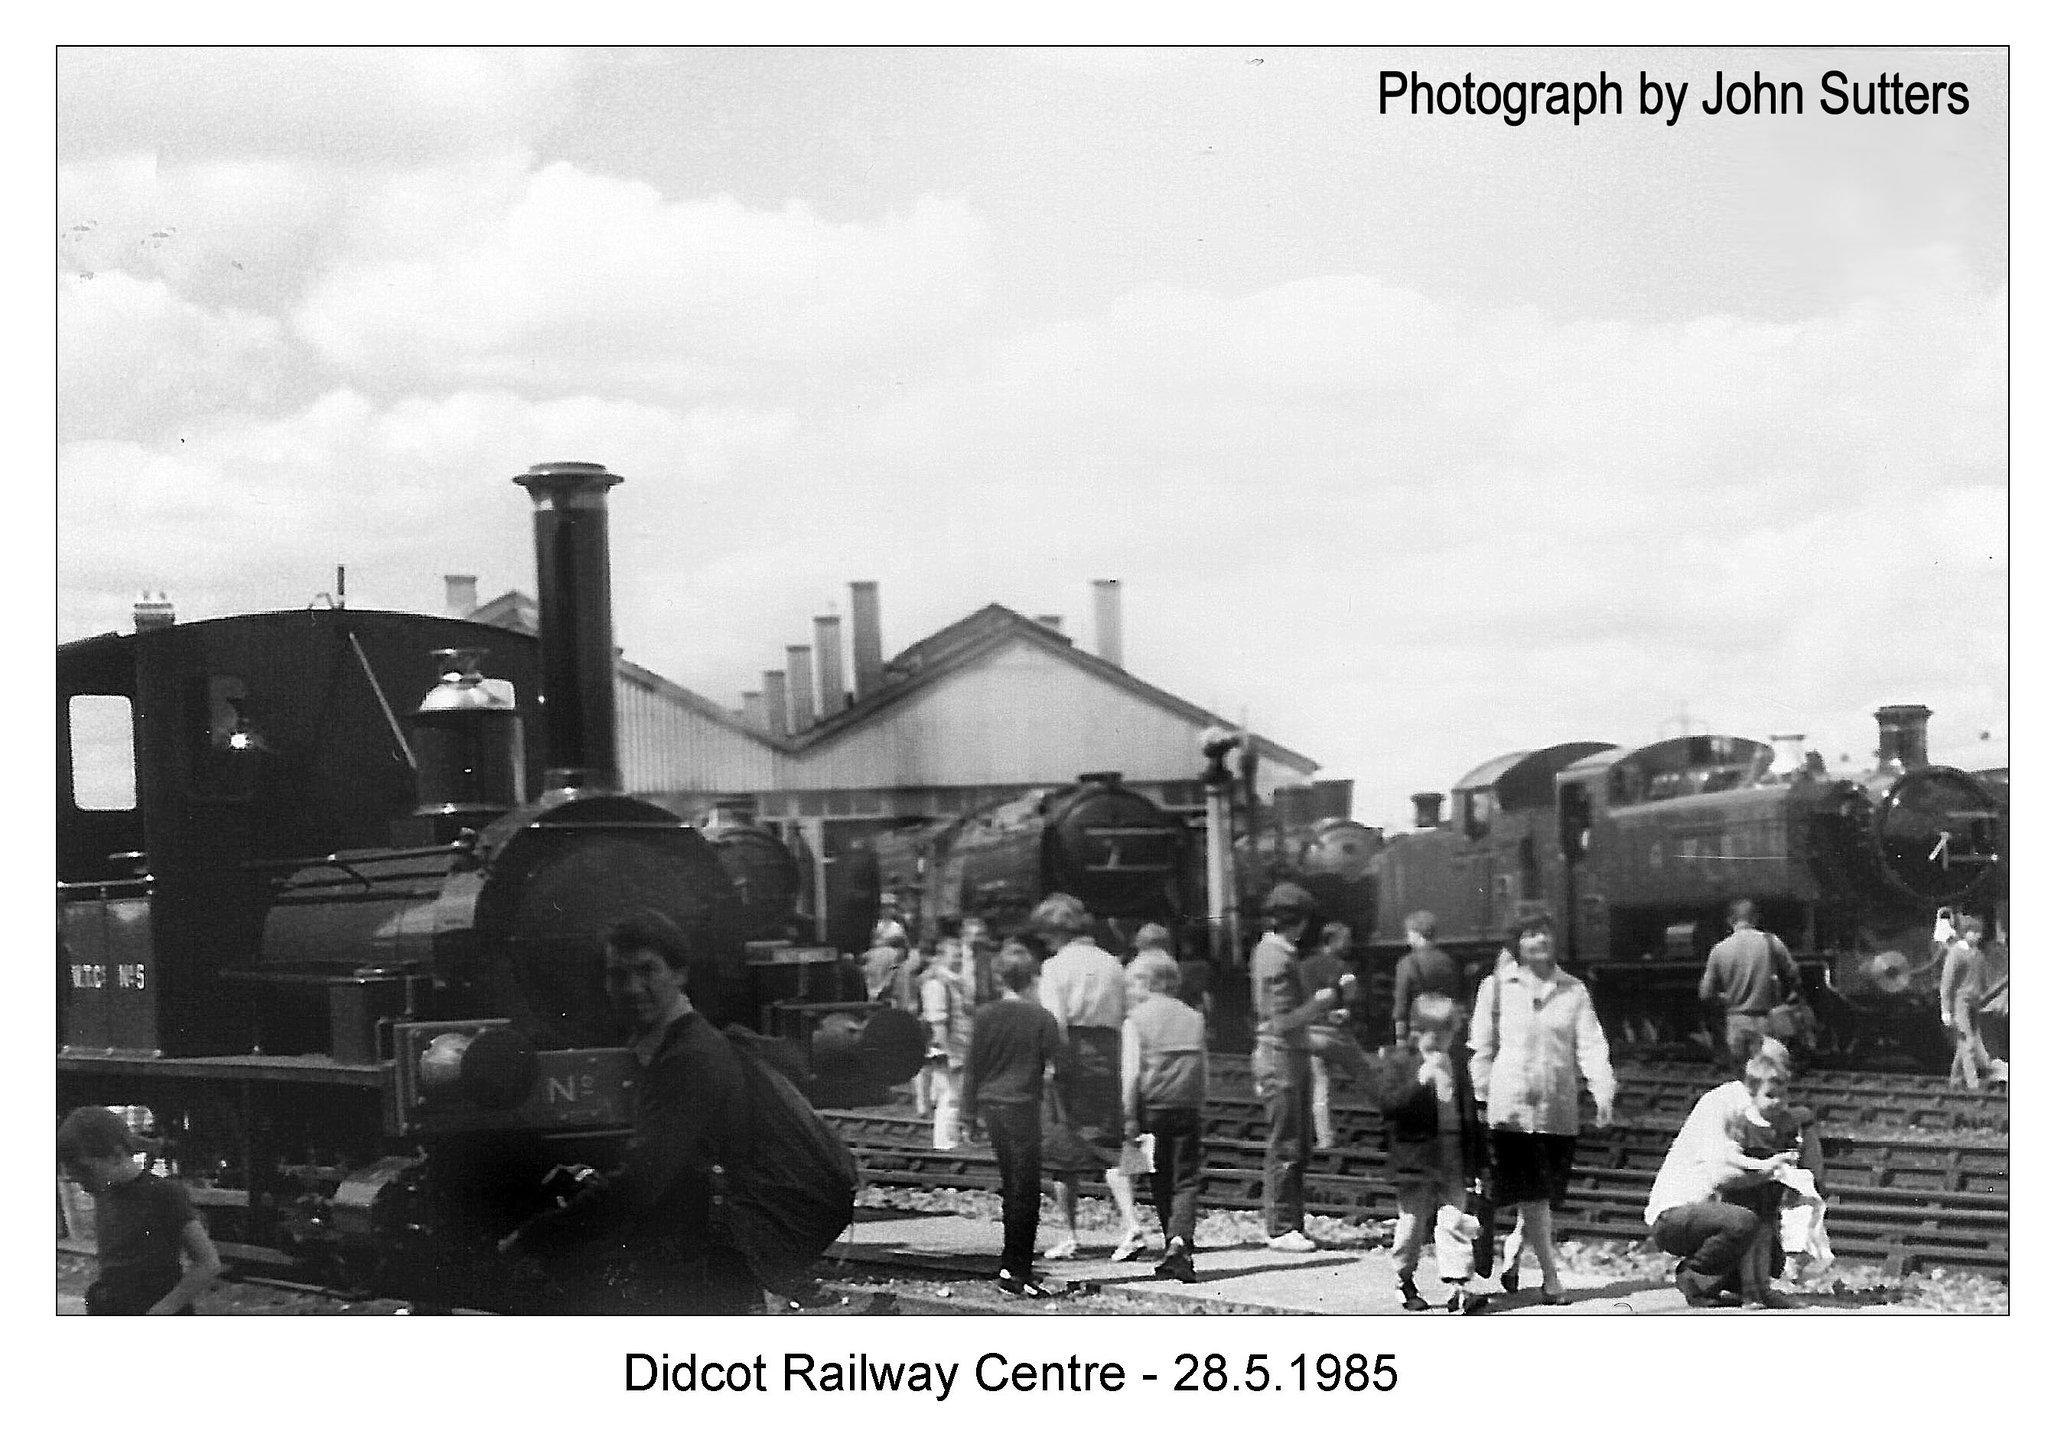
x=642 y=1238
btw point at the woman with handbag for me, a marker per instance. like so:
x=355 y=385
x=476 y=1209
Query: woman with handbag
x=1535 y=1043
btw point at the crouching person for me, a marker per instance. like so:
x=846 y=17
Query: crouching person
x=1435 y=1144
x=1165 y=1076
x=1714 y=1205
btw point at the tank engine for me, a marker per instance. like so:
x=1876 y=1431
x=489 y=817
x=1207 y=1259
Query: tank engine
x=1112 y=848
x=1637 y=854
x=347 y=963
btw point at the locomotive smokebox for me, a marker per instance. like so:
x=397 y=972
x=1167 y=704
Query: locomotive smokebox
x=572 y=556
x=1902 y=737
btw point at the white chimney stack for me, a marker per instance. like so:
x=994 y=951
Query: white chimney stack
x=461 y=594
x=1109 y=621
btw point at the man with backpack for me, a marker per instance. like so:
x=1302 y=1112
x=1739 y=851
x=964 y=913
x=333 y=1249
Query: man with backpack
x=729 y=1181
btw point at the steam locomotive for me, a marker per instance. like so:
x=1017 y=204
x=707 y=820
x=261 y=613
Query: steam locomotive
x=1109 y=846
x=1637 y=854
x=345 y=961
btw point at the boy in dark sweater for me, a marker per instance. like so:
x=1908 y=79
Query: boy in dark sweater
x=154 y=1254
x=1435 y=1144
x=1012 y=1042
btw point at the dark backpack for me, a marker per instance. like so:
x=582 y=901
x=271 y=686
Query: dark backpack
x=791 y=1194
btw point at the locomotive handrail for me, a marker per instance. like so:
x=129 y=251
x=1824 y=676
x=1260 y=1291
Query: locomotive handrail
x=309 y=861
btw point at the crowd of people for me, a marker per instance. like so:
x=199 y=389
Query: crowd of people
x=1085 y=1066
x=1074 y=1063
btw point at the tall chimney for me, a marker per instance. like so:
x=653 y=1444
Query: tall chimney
x=867 y=638
x=1109 y=621
x=831 y=665
x=1902 y=737
x=754 y=709
x=1050 y=620
x=1427 y=810
x=775 y=696
x=801 y=712
x=572 y=557
x=461 y=594
x=154 y=611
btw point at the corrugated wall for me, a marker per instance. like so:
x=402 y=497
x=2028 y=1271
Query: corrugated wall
x=664 y=744
x=1019 y=716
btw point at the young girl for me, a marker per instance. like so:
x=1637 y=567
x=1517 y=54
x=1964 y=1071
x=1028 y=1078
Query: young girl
x=942 y=996
x=155 y=1257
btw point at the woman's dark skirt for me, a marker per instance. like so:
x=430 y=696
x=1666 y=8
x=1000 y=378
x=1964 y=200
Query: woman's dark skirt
x=1084 y=1129
x=1528 y=1166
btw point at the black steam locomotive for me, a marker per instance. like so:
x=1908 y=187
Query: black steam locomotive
x=1637 y=854
x=310 y=917
x=1109 y=846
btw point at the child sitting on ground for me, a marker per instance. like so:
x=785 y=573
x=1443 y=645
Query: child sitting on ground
x=155 y=1257
x=1435 y=1144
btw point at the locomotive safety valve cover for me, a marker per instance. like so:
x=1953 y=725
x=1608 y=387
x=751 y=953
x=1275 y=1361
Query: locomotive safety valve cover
x=456 y=1077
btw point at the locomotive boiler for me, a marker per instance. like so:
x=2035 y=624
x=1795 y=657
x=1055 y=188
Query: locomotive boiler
x=1637 y=854
x=1109 y=846
x=348 y=960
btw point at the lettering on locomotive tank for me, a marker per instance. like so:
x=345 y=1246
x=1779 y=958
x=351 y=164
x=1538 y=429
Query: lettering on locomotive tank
x=568 y=1089
x=88 y=977
x=130 y=977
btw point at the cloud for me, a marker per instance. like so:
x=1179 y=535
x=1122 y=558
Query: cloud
x=132 y=357
x=581 y=281
x=354 y=105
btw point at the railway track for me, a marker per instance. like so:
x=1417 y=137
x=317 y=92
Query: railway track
x=1842 y=1100
x=1903 y=1200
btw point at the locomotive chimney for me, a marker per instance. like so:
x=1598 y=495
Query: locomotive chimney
x=1109 y=621
x=831 y=665
x=867 y=638
x=801 y=713
x=1902 y=737
x=775 y=695
x=1428 y=810
x=461 y=593
x=572 y=554
x=154 y=611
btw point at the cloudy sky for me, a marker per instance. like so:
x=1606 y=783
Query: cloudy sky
x=1417 y=439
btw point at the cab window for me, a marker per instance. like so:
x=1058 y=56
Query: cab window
x=103 y=752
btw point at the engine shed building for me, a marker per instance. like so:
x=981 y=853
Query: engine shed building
x=974 y=714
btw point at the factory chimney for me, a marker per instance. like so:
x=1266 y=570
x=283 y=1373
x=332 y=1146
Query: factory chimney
x=154 y=611
x=802 y=714
x=1109 y=621
x=831 y=665
x=572 y=556
x=775 y=695
x=754 y=709
x=461 y=594
x=867 y=638
x=1902 y=737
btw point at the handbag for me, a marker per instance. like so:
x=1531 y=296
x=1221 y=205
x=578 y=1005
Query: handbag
x=1479 y=1205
